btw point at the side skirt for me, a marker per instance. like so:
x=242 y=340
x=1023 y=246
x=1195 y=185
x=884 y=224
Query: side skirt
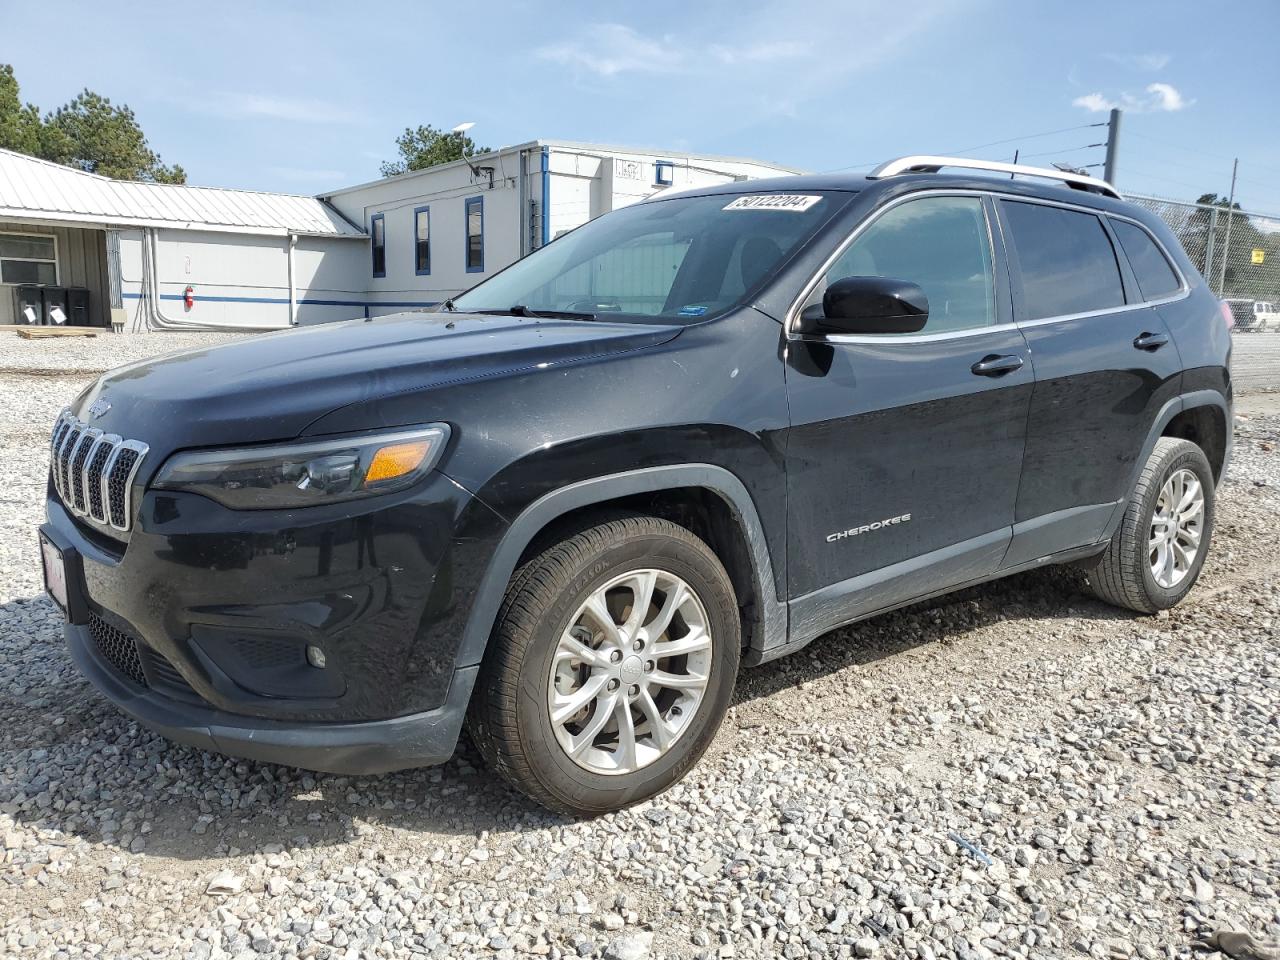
x=754 y=657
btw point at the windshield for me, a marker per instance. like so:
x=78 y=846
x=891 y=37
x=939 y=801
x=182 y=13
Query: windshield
x=686 y=258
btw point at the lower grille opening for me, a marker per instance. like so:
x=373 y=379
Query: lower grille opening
x=138 y=662
x=119 y=649
x=166 y=679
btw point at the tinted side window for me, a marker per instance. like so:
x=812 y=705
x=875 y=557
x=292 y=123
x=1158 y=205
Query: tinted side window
x=1068 y=264
x=940 y=243
x=1155 y=277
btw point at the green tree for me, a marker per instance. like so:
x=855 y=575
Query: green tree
x=92 y=134
x=89 y=133
x=19 y=123
x=427 y=147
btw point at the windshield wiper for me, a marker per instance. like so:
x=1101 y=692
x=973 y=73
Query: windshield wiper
x=520 y=310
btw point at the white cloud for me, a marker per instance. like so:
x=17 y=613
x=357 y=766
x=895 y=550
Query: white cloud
x=608 y=49
x=1159 y=98
x=1166 y=97
x=761 y=52
x=750 y=61
x=612 y=48
x=1149 y=62
x=1094 y=103
x=301 y=110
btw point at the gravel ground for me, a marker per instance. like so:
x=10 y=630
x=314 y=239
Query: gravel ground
x=1017 y=770
x=1256 y=361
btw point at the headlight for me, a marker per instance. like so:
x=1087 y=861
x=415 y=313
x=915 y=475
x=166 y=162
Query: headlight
x=306 y=473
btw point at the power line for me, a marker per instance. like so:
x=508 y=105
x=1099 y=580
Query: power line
x=1203 y=153
x=1054 y=153
x=981 y=146
x=1029 y=136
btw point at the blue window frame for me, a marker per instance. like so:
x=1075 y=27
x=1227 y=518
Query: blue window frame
x=422 y=241
x=378 y=242
x=473 y=209
x=664 y=173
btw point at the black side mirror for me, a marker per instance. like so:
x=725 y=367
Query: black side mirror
x=867 y=305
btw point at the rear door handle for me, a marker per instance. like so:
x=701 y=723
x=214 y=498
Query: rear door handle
x=1151 y=341
x=996 y=365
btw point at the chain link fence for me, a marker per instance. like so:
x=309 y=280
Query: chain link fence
x=1236 y=251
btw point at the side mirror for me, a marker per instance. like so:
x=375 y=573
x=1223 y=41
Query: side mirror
x=867 y=305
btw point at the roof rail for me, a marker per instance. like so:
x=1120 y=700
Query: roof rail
x=931 y=164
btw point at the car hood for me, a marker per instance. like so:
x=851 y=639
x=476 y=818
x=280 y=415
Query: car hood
x=271 y=386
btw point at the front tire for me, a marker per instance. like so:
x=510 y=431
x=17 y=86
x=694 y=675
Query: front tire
x=611 y=666
x=1155 y=558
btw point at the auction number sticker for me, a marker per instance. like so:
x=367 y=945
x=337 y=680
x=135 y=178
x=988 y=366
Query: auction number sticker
x=794 y=202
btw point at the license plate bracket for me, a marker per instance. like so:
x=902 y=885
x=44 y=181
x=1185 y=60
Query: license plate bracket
x=63 y=578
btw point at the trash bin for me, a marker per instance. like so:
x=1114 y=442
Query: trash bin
x=78 y=307
x=55 y=305
x=28 y=305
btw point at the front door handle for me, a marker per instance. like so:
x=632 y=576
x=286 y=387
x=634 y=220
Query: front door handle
x=1151 y=341
x=996 y=365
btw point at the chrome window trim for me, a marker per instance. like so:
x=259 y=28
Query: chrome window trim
x=884 y=339
x=794 y=312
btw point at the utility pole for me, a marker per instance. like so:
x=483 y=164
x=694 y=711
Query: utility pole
x=1113 y=146
x=1226 y=244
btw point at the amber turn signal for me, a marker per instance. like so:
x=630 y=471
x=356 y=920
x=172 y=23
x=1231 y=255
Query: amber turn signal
x=396 y=460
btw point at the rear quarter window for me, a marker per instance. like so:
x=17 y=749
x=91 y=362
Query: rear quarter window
x=1066 y=259
x=1156 y=277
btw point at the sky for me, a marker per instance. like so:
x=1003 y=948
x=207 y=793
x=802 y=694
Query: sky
x=307 y=97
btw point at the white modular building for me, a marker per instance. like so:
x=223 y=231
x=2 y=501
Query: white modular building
x=82 y=249
x=437 y=232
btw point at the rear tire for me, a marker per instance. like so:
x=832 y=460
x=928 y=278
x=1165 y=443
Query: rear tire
x=1148 y=565
x=572 y=704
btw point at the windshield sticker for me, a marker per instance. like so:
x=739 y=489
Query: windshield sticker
x=773 y=201
x=692 y=311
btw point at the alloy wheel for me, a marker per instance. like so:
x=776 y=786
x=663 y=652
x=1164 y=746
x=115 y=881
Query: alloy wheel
x=629 y=672
x=1177 y=526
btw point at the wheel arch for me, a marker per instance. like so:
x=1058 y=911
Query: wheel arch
x=732 y=525
x=1205 y=425
x=1180 y=413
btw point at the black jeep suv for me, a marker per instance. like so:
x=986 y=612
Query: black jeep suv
x=694 y=434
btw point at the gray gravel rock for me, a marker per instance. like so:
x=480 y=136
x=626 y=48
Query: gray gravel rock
x=1120 y=774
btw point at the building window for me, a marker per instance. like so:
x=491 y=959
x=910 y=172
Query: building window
x=28 y=258
x=422 y=241
x=475 y=234
x=378 y=233
x=664 y=173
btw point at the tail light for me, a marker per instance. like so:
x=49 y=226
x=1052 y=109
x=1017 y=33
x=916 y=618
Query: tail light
x=1227 y=315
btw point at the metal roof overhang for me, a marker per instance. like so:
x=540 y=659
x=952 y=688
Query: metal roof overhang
x=27 y=215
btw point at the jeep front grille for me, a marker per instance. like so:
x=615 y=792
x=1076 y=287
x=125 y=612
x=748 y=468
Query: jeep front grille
x=118 y=648
x=93 y=471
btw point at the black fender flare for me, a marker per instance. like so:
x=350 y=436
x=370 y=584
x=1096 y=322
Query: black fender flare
x=584 y=493
x=1172 y=407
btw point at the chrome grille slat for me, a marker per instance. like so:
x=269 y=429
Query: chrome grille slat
x=79 y=459
x=94 y=472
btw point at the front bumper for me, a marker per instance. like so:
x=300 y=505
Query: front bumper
x=201 y=626
x=375 y=746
